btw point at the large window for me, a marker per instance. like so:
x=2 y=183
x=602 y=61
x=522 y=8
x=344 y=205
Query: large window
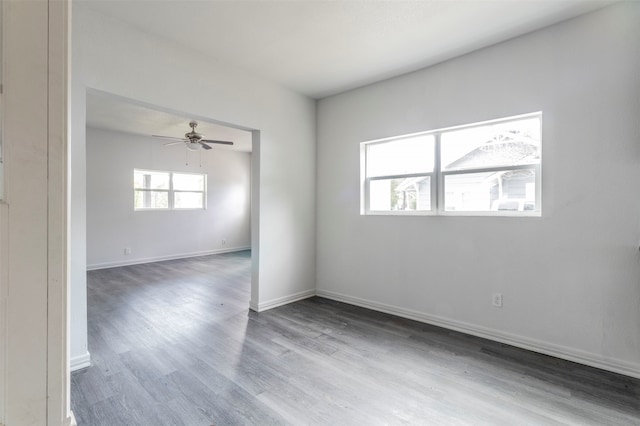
x=490 y=168
x=159 y=190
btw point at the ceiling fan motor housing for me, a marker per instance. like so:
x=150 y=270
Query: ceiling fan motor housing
x=193 y=136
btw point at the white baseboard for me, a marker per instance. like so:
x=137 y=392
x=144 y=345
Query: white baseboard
x=80 y=362
x=558 y=351
x=139 y=261
x=274 y=303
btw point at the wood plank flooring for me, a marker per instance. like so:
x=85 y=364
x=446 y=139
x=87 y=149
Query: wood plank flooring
x=173 y=343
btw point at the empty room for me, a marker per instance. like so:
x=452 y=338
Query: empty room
x=323 y=213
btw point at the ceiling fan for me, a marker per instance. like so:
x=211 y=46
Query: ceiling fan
x=193 y=140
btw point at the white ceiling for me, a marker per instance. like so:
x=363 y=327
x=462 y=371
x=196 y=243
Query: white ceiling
x=323 y=47
x=317 y=47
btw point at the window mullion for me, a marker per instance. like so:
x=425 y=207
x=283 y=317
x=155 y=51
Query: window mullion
x=437 y=198
x=171 y=192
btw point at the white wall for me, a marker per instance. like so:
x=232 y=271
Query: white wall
x=571 y=279
x=112 y=224
x=114 y=58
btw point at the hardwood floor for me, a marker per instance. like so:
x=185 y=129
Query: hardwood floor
x=173 y=343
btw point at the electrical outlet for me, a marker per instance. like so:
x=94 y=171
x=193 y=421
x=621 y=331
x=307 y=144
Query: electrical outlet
x=223 y=242
x=127 y=250
x=497 y=300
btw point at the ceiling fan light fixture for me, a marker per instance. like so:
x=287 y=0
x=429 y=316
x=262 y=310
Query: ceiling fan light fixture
x=192 y=140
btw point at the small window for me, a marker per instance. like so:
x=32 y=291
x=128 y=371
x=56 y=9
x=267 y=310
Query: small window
x=492 y=168
x=151 y=189
x=188 y=190
x=159 y=190
x=486 y=169
x=399 y=175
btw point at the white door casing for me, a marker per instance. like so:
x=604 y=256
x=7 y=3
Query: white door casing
x=34 y=365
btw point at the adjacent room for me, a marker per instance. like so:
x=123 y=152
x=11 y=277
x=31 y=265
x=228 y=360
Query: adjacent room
x=151 y=196
x=428 y=215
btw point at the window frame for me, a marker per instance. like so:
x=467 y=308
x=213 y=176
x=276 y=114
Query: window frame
x=437 y=176
x=368 y=180
x=171 y=191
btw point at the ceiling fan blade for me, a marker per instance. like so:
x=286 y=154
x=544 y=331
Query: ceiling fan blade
x=205 y=146
x=168 y=137
x=173 y=143
x=220 y=142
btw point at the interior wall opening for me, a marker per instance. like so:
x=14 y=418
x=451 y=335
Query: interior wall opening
x=118 y=139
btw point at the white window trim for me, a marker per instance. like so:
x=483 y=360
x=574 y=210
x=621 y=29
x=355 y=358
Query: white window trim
x=170 y=192
x=437 y=176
